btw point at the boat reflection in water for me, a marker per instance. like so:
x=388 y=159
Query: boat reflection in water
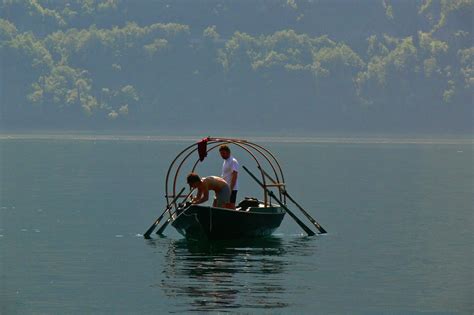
x=226 y=275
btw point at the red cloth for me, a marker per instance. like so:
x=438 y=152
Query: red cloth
x=202 y=148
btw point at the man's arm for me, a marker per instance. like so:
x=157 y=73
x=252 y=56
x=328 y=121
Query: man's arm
x=202 y=195
x=198 y=196
x=233 y=180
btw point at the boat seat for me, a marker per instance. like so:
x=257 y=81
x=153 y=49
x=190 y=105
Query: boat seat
x=248 y=202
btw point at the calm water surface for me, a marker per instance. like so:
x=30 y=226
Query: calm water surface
x=399 y=217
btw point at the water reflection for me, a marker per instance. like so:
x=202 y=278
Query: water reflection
x=226 y=275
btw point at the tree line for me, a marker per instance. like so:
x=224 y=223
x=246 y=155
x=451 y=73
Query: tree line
x=95 y=63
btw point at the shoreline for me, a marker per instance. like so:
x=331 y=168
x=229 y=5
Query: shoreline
x=321 y=139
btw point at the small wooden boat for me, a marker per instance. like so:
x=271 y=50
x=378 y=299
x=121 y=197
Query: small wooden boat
x=252 y=218
x=204 y=222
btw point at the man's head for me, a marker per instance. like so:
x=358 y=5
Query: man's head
x=224 y=151
x=193 y=179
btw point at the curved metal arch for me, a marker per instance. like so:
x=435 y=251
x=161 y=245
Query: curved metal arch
x=218 y=143
x=251 y=154
x=271 y=164
x=256 y=148
x=171 y=167
x=181 y=164
x=267 y=151
x=193 y=149
x=244 y=144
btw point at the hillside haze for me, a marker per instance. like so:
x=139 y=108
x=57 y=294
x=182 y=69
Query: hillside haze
x=231 y=66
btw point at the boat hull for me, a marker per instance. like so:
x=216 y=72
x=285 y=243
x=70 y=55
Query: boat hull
x=203 y=222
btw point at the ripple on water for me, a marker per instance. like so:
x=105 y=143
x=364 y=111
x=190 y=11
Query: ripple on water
x=226 y=275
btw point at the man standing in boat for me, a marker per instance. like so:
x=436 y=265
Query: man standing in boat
x=230 y=172
x=203 y=185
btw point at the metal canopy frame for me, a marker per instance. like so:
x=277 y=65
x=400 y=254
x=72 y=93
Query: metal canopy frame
x=257 y=152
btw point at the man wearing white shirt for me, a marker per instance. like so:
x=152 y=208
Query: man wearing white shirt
x=230 y=172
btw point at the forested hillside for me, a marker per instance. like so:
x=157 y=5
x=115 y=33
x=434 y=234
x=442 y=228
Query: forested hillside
x=230 y=65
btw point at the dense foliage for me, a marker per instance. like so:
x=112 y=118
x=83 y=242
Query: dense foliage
x=253 y=65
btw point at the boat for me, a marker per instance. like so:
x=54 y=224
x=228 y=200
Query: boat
x=252 y=217
x=212 y=223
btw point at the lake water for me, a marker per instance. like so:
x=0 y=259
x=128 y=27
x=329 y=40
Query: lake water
x=399 y=216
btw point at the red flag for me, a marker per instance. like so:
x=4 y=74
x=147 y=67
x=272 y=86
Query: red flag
x=202 y=148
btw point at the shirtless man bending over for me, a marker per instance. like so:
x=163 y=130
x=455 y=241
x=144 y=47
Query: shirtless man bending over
x=203 y=185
